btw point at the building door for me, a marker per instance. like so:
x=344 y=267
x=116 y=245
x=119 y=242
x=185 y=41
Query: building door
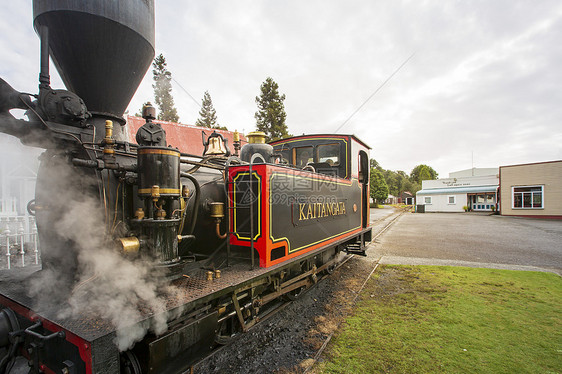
x=482 y=202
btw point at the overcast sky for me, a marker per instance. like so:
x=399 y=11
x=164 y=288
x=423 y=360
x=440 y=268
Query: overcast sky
x=485 y=77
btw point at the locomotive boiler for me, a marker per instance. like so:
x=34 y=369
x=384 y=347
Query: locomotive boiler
x=152 y=257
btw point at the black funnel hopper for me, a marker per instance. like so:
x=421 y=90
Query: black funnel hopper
x=101 y=49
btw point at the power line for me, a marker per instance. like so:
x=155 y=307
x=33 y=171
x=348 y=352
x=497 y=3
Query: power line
x=374 y=93
x=192 y=98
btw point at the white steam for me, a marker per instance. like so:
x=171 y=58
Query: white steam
x=106 y=284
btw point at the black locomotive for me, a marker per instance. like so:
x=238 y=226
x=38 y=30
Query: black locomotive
x=152 y=257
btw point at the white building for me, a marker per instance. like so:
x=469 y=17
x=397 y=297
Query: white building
x=476 y=189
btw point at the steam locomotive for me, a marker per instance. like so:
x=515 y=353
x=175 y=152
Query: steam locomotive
x=152 y=257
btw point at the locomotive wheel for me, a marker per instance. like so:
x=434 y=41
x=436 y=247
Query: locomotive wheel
x=130 y=363
x=330 y=269
x=295 y=294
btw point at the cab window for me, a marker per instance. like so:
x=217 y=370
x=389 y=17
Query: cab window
x=329 y=153
x=303 y=155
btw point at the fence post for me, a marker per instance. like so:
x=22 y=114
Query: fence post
x=7 y=233
x=22 y=252
x=35 y=246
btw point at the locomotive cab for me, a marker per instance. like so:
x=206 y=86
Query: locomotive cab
x=312 y=194
x=342 y=156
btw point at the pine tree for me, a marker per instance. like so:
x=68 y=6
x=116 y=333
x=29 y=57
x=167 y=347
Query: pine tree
x=163 y=90
x=270 y=117
x=207 y=114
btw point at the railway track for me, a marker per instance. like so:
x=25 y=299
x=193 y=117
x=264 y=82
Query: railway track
x=230 y=356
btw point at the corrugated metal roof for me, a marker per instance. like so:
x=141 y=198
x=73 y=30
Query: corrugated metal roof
x=457 y=190
x=187 y=138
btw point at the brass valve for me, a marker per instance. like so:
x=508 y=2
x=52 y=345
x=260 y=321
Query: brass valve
x=155 y=192
x=139 y=214
x=160 y=214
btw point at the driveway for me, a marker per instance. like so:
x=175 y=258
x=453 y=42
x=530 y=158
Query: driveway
x=472 y=240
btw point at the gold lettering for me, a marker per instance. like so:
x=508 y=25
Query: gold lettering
x=309 y=214
x=320 y=210
x=301 y=212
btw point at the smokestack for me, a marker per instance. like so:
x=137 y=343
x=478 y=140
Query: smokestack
x=101 y=49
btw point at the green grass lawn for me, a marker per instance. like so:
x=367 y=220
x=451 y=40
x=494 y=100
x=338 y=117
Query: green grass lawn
x=437 y=319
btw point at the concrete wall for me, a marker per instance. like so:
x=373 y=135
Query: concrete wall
x=547 y=174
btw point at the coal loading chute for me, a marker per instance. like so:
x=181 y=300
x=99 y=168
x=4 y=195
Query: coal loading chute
x=101 y=49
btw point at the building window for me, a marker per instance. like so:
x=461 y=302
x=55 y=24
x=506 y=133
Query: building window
x=528 y=197
x=451 y=200
x=427 y=200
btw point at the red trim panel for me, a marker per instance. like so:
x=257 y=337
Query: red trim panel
x=82 y=345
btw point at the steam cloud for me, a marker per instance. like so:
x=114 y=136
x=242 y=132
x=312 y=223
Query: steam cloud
x=120 y=290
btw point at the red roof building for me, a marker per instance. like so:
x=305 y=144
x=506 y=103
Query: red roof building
x=187 y=138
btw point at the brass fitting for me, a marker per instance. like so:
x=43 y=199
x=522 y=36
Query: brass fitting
x=139 y=214
x=218 y=229
x=155 y=192
x=160 y=214
x=236 y=136
x=217 y=210
x=108 y=131
x=108 y=140
x=217 y=274
x=129 y=245
x=184 y=191
x=209 y=275
x=256 y=137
